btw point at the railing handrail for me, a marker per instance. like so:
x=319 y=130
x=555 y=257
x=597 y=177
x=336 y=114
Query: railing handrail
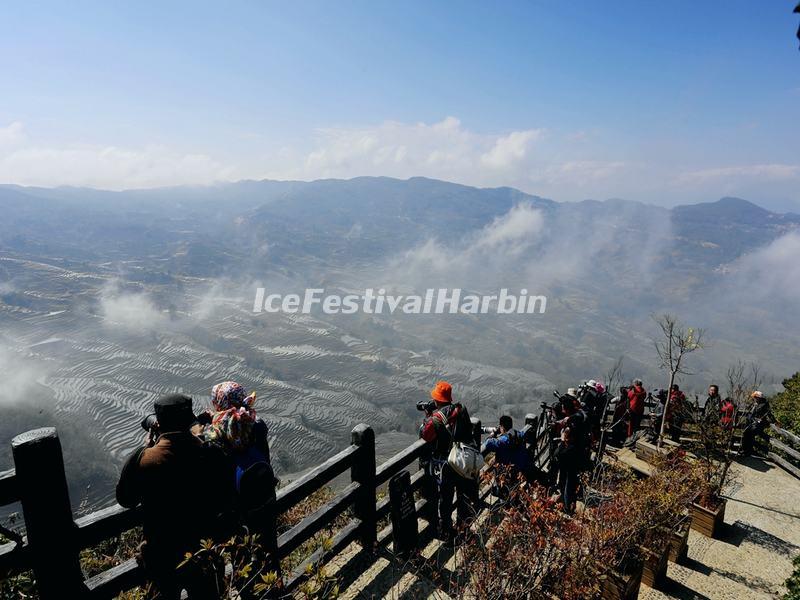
x=114 y=520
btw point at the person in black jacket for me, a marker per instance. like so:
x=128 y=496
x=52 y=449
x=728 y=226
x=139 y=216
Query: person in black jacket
x=759 y=419
x=185 y=489
x=568 y=458
x=713 y=402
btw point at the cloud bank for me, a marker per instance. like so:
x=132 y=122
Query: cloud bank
x=564 y=165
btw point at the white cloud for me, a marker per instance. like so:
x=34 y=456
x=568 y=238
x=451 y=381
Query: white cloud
x=11 y=134
x=510 y=149
x=512 y=229
x=20 y=376
x=26 y=162
x=772 y=272
x=562 y=165
x=473 y=259
x=132 y=312
x=528 y=159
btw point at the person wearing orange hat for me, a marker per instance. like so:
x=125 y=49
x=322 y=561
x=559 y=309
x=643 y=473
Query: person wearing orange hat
x=447 y=423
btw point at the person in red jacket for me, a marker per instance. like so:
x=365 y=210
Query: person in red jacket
x=675 y=411
x=636 y=397
x=727 y=412
x=447 y=423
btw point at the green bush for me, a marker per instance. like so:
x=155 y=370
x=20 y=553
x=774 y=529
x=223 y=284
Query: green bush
x=793 y=583
x=786 y=404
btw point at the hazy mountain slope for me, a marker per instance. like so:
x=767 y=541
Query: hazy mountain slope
x=108 y=299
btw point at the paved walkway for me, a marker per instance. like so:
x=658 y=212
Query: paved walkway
x=752 y=556
x=750 y=559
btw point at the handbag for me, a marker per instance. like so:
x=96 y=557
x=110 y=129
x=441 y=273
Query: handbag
x=465 y=460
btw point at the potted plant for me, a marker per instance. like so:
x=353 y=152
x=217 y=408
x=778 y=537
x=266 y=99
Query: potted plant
x=623 y=583
x=679 y=540
x=712 y=449
x=655 y=555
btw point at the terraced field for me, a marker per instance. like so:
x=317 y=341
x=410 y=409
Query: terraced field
x=315 y=380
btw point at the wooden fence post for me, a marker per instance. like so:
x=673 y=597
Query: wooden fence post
x=429 y=490
x=363 y=472
x=49 y=525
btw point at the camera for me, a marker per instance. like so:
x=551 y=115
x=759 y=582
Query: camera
x=489 y=430
x=150 y=423
x=427 y=406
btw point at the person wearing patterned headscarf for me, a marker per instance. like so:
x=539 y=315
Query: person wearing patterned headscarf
x=236 y=429
x=233 y=419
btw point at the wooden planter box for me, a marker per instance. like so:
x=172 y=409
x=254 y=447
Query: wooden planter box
x=679 y=543
x=648 y=452
x=705 y=520
x=622 y=586
x=654 y=568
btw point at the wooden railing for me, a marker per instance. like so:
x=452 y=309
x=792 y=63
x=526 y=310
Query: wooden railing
x=785 y=450
x=54 y=539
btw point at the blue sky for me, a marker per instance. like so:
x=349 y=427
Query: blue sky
x=660 y=102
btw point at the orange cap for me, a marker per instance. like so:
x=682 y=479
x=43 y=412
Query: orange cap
x=442 y=392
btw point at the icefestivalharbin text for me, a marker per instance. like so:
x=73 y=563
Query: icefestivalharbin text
x=433 y=301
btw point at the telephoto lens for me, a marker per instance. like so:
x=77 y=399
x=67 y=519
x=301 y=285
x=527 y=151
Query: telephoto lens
x=149 y=422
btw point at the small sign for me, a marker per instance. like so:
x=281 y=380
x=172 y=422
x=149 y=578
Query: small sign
x=403 y=514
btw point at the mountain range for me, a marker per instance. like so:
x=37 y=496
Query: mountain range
x=108 y=299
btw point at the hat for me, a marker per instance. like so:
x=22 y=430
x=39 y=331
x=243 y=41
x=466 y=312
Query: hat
x=442 y=392
x=757 y=395
x=572 y=392
x=174 y=412
x=591 y=383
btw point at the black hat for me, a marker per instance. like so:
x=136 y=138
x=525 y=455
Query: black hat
x=174 y=412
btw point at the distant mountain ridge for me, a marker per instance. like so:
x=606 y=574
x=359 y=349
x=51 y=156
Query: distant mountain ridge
x=110 y=298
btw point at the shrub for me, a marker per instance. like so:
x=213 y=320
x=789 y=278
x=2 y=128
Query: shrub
x=786 y=404
x=793 y=583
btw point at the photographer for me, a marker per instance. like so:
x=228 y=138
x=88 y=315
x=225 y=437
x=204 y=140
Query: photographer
x=758 y=419
x=636 y=403
x=509 y=451
x=444 y=424
x=184 y=488
x=568 y=459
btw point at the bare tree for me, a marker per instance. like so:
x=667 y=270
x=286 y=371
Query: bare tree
x=614 y=376
x=672 y=347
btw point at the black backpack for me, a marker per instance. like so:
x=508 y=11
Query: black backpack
x=462 y=427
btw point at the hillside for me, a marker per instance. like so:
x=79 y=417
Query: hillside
x=108 y=299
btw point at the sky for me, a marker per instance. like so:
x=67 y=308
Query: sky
x=661 y=102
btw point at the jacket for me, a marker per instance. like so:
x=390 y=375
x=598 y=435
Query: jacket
x=509 y=449
x=675 y=404
x=440 y=428
x=636 y=398
x=185 y=488
x=726 y=413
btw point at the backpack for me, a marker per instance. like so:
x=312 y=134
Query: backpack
x=464 y=458
x=460 y=425
x=255 y=480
